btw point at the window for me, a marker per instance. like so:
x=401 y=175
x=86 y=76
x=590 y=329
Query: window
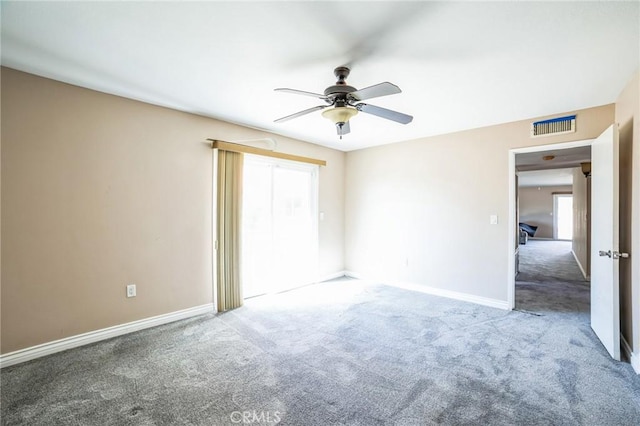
x=562 y=216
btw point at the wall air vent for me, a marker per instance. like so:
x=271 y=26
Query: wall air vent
x=553 y=126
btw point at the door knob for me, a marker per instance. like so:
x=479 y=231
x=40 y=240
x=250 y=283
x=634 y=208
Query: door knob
x=613 y=254
x=618 y=255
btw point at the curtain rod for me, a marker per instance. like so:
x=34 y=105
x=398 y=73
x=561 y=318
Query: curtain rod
x=235 y=147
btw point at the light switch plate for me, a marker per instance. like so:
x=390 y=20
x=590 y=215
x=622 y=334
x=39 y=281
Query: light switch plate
x=131 y=290
x=493 y=219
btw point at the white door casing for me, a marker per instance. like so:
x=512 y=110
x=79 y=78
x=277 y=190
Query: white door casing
x=605 y=303
x=512 y=225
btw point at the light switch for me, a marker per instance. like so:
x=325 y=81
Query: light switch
x=493 y=219
x=321 y=216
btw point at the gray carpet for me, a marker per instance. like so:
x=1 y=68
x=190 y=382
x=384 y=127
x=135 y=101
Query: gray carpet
x=550 y=280
x=545 y=260
x=337 y=353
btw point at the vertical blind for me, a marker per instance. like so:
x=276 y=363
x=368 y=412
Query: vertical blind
x=228 y=230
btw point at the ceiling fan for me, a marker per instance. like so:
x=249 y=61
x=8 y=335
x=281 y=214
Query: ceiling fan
x=344 y=102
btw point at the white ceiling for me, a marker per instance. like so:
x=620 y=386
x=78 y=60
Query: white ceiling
x=534 y=170
x=460 y=65
x=561 y=158
x=549 y=177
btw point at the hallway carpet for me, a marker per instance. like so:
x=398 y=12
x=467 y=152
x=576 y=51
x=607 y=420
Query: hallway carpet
x=550 y=280
x=344 y=352
x=544 y=260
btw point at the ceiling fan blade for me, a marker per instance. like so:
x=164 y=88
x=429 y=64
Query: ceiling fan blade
x=385 y=113
x=375 y=91
x=300 y=113
x=301 y=92
x=375 y=40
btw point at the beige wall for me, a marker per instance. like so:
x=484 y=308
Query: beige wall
x=627 y=115
x=580 y=245
x=418 y=211
x=100 y=191
x=536 y=207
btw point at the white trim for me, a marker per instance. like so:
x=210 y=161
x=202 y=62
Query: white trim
x=634 y=359
x=584 y=274
x=333 y=276
x=352 y=274
x=549 y=147
x=465 y=297
x=513 y=243
x=49 y=348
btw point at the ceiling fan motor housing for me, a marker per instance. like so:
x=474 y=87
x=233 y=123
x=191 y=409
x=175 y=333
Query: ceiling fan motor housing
x=341 y=88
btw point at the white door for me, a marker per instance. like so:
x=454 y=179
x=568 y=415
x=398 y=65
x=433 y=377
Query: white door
x=605 y=304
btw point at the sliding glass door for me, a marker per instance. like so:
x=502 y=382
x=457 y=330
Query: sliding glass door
x=279 y=225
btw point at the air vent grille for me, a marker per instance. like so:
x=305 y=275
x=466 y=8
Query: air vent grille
x=553 y=126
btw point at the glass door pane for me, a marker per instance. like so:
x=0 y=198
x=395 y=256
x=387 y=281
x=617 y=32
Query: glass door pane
x=293 y=228
x=257 y=238
x=279 y=231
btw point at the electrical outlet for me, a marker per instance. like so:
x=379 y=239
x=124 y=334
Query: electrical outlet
x=131 y=290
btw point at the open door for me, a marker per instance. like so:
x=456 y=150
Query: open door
x=605 y=303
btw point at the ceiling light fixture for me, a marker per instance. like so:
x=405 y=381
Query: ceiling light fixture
x=344 y=101
x=340 y=116
x=586 y=169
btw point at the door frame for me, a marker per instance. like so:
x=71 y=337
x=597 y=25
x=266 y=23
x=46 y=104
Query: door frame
x=511 y=232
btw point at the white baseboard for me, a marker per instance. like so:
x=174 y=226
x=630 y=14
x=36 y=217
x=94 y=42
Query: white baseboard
x=49 y=348
x=634 y=359
x=352 y=274
x=333 y=276
x=584 y=274
x=465 y=297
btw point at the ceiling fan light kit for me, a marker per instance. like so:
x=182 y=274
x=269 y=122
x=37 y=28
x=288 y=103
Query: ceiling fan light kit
x=340 y=116
x=345 y=102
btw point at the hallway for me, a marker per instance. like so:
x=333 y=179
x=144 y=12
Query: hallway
x=550 y=280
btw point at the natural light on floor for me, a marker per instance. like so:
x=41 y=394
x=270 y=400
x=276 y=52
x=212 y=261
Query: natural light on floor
x=331 y=293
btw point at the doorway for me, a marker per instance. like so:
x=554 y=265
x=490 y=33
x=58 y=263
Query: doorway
x=514 y=229
x=279 y=225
